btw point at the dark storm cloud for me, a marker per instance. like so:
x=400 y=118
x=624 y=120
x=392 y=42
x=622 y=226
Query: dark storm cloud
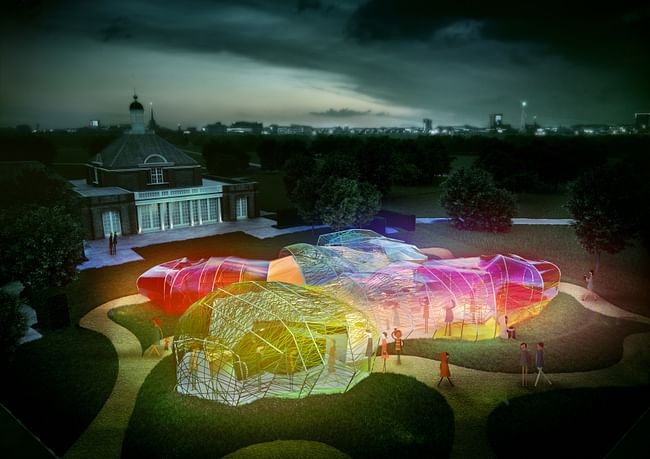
x=341 y=113
x=579 y=30
x=454 y=61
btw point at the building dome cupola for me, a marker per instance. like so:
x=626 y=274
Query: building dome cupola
x=135 y=105
x=137 y=116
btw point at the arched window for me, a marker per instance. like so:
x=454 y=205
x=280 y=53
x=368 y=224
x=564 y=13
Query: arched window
x=155 y=158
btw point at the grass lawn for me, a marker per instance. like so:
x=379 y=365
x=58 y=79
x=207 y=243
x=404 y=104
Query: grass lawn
x=575 y=339
x=385 y=415
x=137 y=319
x=622 y=279
x=424 y=201
x=586 y=422
x=59 y=383
x=288 y=449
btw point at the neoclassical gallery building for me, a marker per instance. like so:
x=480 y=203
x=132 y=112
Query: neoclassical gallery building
x=142 y=183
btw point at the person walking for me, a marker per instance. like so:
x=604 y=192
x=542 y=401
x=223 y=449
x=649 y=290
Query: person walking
x=397 y=336
x=589 y=279
x=524 y=361
x=384 y=348
x=444 y=368
x=539 y=363
x=110 y=244
x=114 y=243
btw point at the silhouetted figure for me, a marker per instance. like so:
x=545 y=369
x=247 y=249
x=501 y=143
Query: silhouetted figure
x=444 y=368
x=397 y=336
x=384 y=348
x=524 y=361
x=539 y=363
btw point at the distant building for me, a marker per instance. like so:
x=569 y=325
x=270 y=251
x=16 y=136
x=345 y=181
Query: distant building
x=245 y=127
x=496 y=120
x=294 y=129
x=215 y=128
x=642 y=122
x=95 y=124
x=427 y=125
x=142 y=183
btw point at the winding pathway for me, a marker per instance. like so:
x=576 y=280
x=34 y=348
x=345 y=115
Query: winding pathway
x=104 y=436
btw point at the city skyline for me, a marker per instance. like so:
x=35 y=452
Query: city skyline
x=322 y=63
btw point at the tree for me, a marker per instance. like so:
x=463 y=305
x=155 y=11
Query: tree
x=42 y=247
x=297 y=168
x=346 y=202
x=225 y=157
x=12 y=326
x=602 y=204
x=305 y=196
x=473 y=202
x=40 y=234
x=369 y=204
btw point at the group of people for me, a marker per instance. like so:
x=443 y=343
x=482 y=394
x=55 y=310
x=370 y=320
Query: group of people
x=525 y=361
x=399 y=344
x=112 y=243
x=524 y=358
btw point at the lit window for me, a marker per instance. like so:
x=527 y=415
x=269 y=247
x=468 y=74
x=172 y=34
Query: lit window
x=156 y=175
x=242 y=207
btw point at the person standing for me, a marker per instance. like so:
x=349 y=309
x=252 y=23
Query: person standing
x=449 y=315
x=110 y=244
x=589 y=279
x=370 y=348
x=384 y=348
x=397 y=336
x=114 y=243
x=332 y=357
x=524 y=361
x=444 y=368
x=539 y=363
x=424 y=301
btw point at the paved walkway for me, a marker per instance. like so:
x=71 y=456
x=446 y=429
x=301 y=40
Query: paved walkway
x=104 y=436
x=97 y=251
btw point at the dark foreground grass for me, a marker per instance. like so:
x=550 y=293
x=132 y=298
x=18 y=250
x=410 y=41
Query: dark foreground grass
x=575 y=339
x=585 y=422
x=137 y=319
x=288 y=449
x=56 y=385
x=385 y=415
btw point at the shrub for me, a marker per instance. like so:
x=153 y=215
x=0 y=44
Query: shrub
x=473 y=202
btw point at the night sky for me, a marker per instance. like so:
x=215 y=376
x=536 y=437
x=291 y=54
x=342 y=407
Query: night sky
x=323 y=63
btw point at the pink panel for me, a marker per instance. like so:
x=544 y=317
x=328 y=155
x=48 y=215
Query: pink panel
x=176 y=284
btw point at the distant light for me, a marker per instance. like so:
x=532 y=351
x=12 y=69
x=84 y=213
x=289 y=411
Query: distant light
x=523 y=104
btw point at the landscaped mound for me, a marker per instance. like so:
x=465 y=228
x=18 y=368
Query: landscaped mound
x=586 y=422
x=385 y=415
